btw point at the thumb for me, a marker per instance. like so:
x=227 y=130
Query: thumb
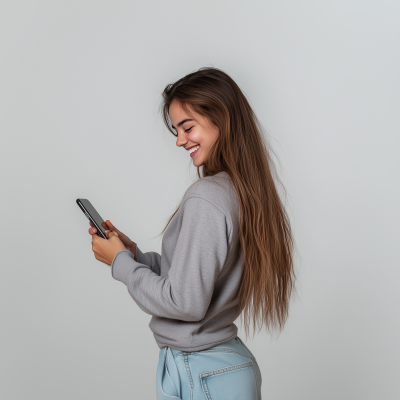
x=110 y=234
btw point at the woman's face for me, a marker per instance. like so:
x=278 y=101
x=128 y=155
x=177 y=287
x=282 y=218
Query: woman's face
x=194 y=131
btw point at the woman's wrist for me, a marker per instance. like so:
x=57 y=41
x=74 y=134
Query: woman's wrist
x=133 y=250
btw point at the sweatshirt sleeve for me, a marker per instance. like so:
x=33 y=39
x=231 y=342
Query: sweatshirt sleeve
x=199 y=256
x=151 y=258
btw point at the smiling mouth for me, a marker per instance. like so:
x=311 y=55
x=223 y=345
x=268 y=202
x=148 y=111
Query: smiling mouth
x=193 y=150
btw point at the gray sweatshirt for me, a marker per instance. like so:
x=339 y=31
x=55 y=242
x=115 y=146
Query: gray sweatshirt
x=191 y=289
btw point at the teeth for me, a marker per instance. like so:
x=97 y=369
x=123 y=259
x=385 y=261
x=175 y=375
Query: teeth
x=193 y=149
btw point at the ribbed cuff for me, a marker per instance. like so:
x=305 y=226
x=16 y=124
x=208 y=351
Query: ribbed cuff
x=122 y=264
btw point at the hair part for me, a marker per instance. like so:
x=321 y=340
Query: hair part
x=242 y=151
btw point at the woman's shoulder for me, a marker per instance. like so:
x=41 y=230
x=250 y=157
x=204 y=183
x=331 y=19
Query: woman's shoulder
x=218 y=190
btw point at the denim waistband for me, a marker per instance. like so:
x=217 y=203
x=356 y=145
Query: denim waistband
x=235 y=344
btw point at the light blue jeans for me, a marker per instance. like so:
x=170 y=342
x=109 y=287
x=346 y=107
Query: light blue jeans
x=228 y=371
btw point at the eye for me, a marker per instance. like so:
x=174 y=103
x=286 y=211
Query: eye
x=188 y=130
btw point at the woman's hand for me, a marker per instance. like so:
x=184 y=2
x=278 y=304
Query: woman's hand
x=129 y=245
x=105 y=250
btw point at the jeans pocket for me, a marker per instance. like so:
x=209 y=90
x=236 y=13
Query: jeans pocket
x=237 y=382
x=166 y=388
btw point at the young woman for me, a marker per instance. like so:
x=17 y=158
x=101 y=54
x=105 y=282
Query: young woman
x=227 y=249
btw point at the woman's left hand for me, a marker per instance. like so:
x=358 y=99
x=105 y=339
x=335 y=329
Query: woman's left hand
x=105 y=250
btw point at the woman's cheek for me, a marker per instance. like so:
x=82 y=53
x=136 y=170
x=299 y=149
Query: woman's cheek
x=196 y=136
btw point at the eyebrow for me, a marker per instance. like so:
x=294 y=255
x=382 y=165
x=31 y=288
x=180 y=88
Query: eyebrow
x=182 y=122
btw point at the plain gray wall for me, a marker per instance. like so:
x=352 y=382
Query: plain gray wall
x=80 y=86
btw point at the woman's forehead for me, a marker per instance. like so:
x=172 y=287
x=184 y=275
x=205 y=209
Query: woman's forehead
x=178 y=112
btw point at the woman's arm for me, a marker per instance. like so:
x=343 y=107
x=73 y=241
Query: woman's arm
x=150 y=258
x=198 y=258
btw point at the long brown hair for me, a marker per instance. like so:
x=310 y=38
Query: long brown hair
x=243 y=152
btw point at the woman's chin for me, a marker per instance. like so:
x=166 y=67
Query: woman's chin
x=197 y=162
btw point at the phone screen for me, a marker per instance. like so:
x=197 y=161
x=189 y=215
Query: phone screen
x=93 y=216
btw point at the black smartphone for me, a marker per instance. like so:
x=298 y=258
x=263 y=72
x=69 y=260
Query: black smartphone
x=93 y=216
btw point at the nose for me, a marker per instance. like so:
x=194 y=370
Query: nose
x=181 y=139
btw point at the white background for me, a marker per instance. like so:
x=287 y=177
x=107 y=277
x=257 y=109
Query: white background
x=80 y=85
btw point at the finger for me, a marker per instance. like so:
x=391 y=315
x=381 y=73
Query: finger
x=90 y=223
x=104 y=225
x=92 y=231
x=109 y=233
x=121 y=235
x=96 y=239
x=112 y=227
